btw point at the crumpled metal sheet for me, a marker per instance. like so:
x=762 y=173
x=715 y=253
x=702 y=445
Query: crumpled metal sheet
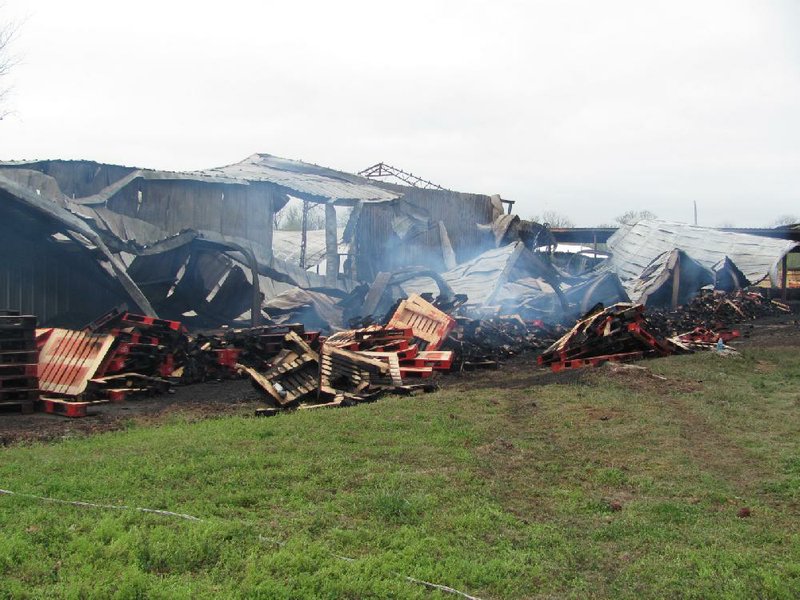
x=480 y=278
x=654 y=286
x=635 y=246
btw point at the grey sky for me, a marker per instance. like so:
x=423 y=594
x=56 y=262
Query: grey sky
x=587 y=108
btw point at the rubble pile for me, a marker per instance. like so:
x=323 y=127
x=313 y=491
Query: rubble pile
x=713 y=314
x=358 y=365
x=219 y=354
x=123 y=355
x=483 y=343
x=617 y=333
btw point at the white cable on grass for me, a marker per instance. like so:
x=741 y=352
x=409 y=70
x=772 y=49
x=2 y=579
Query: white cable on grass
x=168 y=513
x=156 y=511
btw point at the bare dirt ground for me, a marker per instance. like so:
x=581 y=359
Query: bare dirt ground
x=238 y=397
x=201 y=401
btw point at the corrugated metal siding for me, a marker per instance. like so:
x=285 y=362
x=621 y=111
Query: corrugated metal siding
x=55 y=281
x=76 y=178
x=380 y=249
x=176 y=205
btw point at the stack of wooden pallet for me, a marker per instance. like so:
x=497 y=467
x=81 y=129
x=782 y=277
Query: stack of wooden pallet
x=19 y=383
x=358 y=365
x=617 y=333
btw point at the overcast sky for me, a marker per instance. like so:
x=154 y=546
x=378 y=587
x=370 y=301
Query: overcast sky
x=583 y=107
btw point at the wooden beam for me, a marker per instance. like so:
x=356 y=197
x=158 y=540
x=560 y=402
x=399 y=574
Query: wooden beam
x=784 y=276
x=331 y=247
x=676 y=280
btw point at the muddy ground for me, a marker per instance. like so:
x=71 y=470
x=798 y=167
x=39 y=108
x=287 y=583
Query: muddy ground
x=238 y=397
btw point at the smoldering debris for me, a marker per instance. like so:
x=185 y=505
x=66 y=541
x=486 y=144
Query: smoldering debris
x=617 y=333
x=485 y=343
x=415 y=283
x=712 y=315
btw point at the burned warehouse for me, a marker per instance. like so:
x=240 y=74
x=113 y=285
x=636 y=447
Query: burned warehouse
x=147 y=278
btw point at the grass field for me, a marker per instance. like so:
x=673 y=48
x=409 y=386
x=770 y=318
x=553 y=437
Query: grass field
x=617 y=485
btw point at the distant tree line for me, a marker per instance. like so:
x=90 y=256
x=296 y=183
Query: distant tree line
x=556 y=220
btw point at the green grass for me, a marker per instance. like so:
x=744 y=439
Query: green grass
x=617 y=486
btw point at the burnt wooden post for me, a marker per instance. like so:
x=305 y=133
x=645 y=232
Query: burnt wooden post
x=331 y=247
x=784 y=276
x=676 y=281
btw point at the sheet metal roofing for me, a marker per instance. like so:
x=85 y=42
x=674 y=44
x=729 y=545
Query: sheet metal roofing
x=304 y=179
x=295 y=177
x=635 y=246
x=480 y=278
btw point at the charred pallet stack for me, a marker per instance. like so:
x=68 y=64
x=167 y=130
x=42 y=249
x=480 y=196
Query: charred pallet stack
x=358 y=365
x=617 y=333
x=143 y=345
x=715 y=312
x=117 y=357
x=19 y=383
x=482 y=344
x=221 y=354
x=294 y=374
x=259 y=345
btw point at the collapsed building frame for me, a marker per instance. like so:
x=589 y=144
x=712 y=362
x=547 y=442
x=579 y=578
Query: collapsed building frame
x=81 y=237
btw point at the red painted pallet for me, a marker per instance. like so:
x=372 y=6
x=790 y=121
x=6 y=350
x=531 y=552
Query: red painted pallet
x=383 y=334
x=69 y=359
x=402 y=355
x=429 y=325
x=65 y=408
x=441 y=360
x=227 y=357
x=132 y=320
x=594 y=361
x=645 y=336
x=421 y=372
x=134 y=337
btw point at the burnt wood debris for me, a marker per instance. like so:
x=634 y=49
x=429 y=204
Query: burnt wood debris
x=126 y=282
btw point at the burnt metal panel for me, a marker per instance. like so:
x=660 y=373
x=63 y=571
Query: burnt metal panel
x=54 y=278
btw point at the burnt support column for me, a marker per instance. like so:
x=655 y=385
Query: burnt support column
x=331 y=247
x=784 y=276
x=676 y=282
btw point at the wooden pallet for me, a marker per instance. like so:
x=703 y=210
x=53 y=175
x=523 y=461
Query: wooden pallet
x=23 y=407
x=429 y=325
x=66 y=408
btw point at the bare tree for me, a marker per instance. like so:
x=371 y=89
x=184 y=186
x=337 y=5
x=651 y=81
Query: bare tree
x=7 y=61
x=632 y=216
x=290 y=218
x=554 y=219
x=784 y=220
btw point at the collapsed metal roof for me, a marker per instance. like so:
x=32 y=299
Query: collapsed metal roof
x=305 y=180
x=634 y=247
